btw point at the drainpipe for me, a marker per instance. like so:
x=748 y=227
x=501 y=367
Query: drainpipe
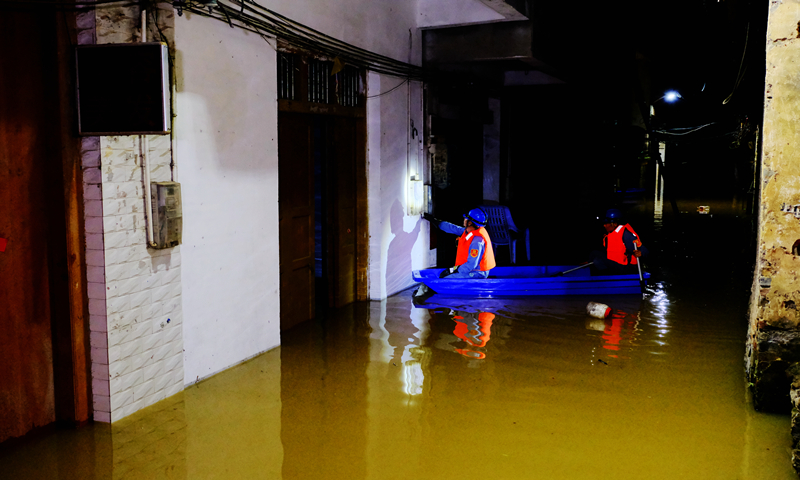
x=144 y=147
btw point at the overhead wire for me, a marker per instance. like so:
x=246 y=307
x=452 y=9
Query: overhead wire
x=249 y=15
x=327 y=38
x=390 y=90
x=253 y=17
x=693 y=129
x=742 y=67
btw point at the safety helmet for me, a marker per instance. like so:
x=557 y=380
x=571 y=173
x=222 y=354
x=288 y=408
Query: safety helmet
x=477 y=216
x=613 y=215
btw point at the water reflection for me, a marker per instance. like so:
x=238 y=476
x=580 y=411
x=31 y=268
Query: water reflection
x=474 y=330
x=621 y=329
x=390 y=389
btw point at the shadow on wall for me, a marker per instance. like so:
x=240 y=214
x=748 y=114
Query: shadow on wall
x=398 y=263
x=221 y=102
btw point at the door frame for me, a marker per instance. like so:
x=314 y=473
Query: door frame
x=298 y=103
x=66 y=255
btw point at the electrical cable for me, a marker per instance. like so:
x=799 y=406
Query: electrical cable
x=250 y=16
x=694 y=129
x=319 y=35
x=740 y=74
x=255 y=18
x=390 y=90
x=689 y=140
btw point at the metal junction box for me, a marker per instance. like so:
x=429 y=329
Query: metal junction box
x=167 y=214
x=123 y=89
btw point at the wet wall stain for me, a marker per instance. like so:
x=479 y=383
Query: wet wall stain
x=773 y=345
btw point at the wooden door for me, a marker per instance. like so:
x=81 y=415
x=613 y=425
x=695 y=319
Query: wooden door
x=29 y=169
x=343 y=205
x=296 y=218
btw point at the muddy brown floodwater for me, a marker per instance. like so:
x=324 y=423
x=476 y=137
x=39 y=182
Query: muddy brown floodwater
x=459 y=388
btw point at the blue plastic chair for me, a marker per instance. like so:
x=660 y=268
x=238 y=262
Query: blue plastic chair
x=499 y=224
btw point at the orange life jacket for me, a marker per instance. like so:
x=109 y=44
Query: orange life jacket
x=463 y=252
x=615 y=248
x=476 y=333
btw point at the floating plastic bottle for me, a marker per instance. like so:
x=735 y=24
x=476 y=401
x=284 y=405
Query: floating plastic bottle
x=598 y=310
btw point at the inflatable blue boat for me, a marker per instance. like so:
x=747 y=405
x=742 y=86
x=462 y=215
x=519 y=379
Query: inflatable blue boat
x=527 y=281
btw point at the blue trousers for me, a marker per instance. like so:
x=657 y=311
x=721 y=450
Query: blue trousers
x=472 y=274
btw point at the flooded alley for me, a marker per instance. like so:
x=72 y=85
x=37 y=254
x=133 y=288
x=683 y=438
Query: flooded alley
x=454 y=388
x=210 y=269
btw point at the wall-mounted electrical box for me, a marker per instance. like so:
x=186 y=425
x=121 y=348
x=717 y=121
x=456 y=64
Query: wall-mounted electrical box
x=123 y=89
x=167 y=214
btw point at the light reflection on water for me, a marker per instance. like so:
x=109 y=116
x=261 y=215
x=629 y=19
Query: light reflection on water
x=505 y=389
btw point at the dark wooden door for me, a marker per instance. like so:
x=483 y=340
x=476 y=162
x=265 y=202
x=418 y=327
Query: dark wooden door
x=343 y=201
x=296 y=218
x=29 y=169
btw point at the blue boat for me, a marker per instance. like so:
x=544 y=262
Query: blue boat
x=530 y=281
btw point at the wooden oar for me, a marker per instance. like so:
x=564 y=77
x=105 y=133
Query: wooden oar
x=572 y=269
x=639 y=266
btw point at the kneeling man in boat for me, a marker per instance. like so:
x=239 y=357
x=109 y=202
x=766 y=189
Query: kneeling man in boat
x=475 y=256
x=623 y=247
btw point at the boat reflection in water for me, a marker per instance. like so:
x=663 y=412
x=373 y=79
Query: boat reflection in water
x=474 y=319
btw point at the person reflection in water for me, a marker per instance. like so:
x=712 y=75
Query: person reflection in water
x=620 y=331
x=475 y=330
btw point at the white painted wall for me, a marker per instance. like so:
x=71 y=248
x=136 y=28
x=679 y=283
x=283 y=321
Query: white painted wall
x=440 y=13
x=226 y=142
x=381 y=26
x=164 y=318
x=226 y=133
x=398 y=241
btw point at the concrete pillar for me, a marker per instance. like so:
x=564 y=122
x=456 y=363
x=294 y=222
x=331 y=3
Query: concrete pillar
x=773 y=344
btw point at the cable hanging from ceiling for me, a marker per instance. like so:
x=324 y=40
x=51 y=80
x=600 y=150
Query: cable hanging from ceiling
x=249 y=15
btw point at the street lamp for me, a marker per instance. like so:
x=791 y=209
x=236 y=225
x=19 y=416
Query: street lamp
x=659 y=149
x=670 y=96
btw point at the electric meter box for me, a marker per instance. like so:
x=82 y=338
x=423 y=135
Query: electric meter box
x=167 y=214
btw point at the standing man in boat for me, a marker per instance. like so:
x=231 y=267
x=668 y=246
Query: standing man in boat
x=475 y=256
x=623 y=247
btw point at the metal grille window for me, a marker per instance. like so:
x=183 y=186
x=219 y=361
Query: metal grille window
x=319 y=73
x=348 y=86
x=287 y=76
x=304 y=80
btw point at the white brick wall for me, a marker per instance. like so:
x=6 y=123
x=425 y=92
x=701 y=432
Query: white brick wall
x=135 y=311
x=143 y=286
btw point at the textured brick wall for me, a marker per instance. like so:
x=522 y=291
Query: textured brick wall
x=773 y=346
x=134 y=292
x=143 y=286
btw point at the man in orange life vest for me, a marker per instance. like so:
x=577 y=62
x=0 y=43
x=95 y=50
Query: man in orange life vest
x=623 y=248
x=475 y=256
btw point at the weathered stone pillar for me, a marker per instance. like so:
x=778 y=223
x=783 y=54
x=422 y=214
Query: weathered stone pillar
x=773 y=346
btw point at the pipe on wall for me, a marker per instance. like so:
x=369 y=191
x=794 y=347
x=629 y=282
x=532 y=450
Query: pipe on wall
x=144 y=150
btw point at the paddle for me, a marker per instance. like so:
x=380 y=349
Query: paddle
x=639 y=266
x=572 y=269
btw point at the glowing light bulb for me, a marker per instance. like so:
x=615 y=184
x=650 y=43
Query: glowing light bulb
x=671 y=96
